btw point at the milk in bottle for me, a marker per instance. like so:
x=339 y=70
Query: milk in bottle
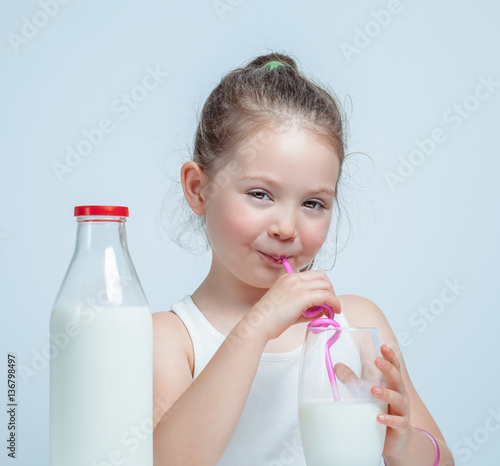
x=101 y=393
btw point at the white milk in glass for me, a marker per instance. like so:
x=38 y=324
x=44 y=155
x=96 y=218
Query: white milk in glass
x=101 y=382
x=342 y=433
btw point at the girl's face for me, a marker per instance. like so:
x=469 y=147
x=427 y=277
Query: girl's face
x=274 y=198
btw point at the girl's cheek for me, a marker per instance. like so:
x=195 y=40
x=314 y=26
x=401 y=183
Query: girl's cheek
x=229 y=224
x=240 y=225
x=313 y=239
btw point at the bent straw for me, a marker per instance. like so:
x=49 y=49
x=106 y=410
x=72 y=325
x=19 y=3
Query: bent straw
x=321 y=322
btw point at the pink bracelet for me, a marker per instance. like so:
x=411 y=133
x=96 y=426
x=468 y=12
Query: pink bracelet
x=434 y=444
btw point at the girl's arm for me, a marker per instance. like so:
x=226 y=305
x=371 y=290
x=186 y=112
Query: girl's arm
x=195 y=419
x=405 y=445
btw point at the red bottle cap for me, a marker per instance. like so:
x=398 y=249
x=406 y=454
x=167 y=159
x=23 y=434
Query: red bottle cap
x=108 y=210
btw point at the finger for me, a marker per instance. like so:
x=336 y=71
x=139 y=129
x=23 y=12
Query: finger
x=399 y=423
x=314 y=277
x=321 y=310
x=344 y=373
x=359 y=388
x=318 y=284
x=391 y=356
x=391 y=374
x=334 y=303
x=304 y=320
x=336 y=306
x=395 y=400
x=316 y=281
x=325 y=297
x=310 y=275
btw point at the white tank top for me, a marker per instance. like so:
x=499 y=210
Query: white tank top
x=268 y=431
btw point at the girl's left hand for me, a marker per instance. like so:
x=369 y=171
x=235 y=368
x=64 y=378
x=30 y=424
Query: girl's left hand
x=398 y=418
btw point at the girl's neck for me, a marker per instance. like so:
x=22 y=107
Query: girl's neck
x=224 y=300
x=223 y=297
x=224 y=306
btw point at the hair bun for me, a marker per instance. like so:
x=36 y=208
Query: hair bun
x=260 y=61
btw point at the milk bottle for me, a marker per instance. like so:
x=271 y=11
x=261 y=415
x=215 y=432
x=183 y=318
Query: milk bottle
x=101 y=382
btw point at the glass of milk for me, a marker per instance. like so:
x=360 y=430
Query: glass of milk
x=343 y=432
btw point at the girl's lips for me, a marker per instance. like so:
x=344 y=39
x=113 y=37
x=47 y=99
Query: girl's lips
x=271 y=258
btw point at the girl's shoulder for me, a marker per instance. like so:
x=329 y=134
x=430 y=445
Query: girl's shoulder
x=171 y=337
x=361 y=312
x=172 y=362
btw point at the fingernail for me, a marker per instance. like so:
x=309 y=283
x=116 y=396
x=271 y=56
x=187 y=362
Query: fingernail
x=382 y=417
x=383 y=362
x=378 y=390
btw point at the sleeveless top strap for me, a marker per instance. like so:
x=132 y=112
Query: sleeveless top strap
x=205 y=338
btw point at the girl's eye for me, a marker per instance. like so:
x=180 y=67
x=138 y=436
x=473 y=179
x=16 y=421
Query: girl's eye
x=257 y=194
x=318 y=204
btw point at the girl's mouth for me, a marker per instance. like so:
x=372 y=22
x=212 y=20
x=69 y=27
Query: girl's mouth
x=272 y=259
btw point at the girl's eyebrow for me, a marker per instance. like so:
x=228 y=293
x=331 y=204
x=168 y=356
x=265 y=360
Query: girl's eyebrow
x=271 y=181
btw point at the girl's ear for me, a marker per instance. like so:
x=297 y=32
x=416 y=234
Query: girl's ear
x=193 y=184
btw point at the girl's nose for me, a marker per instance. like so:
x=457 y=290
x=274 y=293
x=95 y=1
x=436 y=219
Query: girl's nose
x=283 y=227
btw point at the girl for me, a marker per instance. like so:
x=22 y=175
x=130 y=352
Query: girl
x=267 y=160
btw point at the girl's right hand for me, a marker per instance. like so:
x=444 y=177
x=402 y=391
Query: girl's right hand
x=291 y=295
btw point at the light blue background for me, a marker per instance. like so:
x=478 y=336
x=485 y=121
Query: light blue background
x=441 y=223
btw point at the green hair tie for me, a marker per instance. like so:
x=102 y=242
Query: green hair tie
x=272 y=65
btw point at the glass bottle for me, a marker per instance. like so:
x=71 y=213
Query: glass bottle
x=101 y=379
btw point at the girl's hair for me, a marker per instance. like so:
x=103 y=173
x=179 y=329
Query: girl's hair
x=255 y=97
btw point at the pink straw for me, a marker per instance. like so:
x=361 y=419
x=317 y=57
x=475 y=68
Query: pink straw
x=322 y=322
